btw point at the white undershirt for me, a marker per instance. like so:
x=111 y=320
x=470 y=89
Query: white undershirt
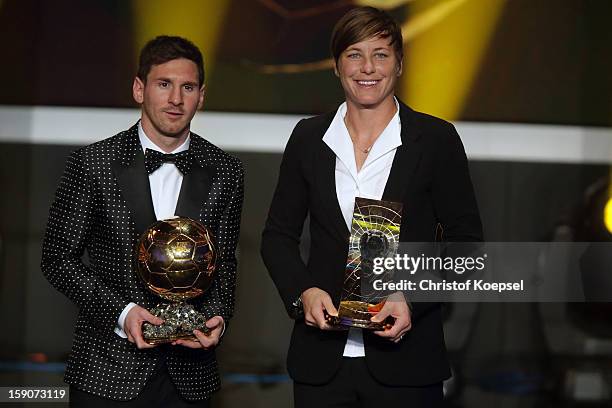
x=368 y=182
x=165 y=185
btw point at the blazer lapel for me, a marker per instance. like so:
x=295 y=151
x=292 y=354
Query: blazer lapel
x=133 y=181
x=197 y=184
x=325 y=180
x=406 y=158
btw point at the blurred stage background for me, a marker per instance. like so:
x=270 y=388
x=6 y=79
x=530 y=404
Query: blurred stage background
x=527 y=84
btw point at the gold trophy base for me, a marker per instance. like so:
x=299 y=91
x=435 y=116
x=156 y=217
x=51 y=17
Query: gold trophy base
x=180 y=320
x=353 y=313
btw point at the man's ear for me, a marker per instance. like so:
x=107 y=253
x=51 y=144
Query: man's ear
x=202 y=96
x=138 y=90
x=336 y=72
x=399 y=68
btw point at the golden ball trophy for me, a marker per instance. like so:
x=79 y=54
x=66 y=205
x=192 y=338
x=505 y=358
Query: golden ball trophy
x=176 y=260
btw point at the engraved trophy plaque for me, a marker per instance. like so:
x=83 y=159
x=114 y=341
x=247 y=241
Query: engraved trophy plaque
x=375 y=232
x=176 y=260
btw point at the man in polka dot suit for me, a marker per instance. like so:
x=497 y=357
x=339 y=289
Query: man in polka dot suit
x=109 y=194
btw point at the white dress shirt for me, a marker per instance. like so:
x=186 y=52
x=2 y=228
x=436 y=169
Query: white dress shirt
x=165 y=185
x=368 y=182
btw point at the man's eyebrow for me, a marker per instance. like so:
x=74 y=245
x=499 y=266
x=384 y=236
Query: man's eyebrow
x=164 y=79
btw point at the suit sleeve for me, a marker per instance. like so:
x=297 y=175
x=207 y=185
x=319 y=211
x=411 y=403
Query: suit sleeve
x=453 y=193
x=66 y=238
x=281 y=236
x=219 y=298
x=454 y=201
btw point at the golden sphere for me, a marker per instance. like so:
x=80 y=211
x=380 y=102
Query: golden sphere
x=177 y=258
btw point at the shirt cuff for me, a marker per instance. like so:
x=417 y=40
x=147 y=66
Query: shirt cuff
x=223 y=330
x=119 y=331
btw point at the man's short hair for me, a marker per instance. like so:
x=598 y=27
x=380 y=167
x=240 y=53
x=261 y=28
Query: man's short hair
x=362 y=23
x=166 y=48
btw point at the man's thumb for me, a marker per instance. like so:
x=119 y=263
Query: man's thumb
x=214 y=322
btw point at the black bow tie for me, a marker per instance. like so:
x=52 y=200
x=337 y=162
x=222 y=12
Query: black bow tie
x=154 y=159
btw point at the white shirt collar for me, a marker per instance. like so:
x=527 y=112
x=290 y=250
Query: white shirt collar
x=338 y=139
x=147 y=143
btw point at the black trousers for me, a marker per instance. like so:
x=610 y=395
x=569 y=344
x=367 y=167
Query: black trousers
x=159 y=391
x=354 y=387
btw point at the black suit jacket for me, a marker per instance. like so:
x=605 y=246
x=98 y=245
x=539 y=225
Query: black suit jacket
x=430 y=177
x=102 y=206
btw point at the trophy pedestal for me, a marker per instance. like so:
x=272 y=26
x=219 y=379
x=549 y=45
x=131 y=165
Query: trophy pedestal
x=353 y=313
x=180 y=320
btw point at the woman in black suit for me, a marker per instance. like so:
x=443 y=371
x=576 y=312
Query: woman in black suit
x=374 y=147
